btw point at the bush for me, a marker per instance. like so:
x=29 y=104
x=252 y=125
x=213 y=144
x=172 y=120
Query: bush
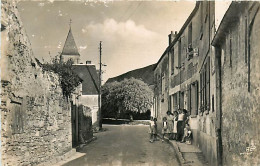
x=68 y=79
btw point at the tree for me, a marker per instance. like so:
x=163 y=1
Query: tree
x=109 y=106
x=127 y=96
x=68 y=79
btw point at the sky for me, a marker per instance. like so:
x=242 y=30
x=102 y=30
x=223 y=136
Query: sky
x=134 y=34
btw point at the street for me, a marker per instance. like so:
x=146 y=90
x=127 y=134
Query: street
x=123 y=145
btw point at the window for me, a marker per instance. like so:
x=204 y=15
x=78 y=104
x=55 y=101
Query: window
x=163 y=86
x=189 y=99
x=194 y=98
x=17 y=123
x=175 y=102
x=172 y=61
x=190 y=36
x=181 y=100
x=205 y=86
x=208 y=84
x=179 y=53
x=190 y=49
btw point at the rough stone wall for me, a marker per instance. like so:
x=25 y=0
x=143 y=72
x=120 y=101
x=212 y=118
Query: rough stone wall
x=240 y=107
x=35 y=118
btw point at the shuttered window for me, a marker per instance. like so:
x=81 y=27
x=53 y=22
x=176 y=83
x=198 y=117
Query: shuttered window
x=194 y=98
x=205 y=86
x=172 y=61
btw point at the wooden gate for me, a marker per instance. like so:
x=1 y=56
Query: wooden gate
x=74 y=125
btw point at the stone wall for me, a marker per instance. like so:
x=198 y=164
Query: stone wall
x=240 y=79
x=35 y=118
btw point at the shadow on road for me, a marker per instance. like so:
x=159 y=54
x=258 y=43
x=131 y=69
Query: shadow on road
x=115 y=121
x=111 y=121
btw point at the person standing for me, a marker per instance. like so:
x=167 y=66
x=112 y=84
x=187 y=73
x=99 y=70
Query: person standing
x=175 y=121
x=180 y=128
x=164 y=128
x=153 y=129
x=184 y=122
x=170 y=119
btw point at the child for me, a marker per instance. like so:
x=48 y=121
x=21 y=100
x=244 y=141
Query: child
x=153 y=129
x=170 y=119
x=187 y=134
x=164 y=128
x=175 y=121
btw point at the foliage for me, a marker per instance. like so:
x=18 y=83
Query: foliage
x=68 y=79
x=129 y=95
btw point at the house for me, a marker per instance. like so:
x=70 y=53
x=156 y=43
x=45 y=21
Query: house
x=184 y=78
x=237 y=59
x=90 y=90
x=215 y=76
x=87 y=72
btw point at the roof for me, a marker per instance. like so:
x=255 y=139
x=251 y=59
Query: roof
x=180 y=32
x=229 y=20
x=70 y=47
x=88 y=74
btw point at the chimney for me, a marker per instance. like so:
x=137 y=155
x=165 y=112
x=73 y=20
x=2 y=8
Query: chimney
x=172 y=36
x=88 y=62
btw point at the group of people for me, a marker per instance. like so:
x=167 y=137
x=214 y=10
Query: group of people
x=175 y=125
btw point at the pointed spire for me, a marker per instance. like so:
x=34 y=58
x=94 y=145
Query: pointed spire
x=70 y=47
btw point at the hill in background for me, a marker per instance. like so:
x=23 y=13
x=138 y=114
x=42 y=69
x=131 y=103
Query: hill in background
x=145 y=74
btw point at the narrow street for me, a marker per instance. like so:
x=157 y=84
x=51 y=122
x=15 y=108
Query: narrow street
x=123 y=145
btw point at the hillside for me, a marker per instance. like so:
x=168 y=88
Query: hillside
x=145 y=74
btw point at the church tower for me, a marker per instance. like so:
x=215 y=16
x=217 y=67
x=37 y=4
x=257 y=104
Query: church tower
x=70 y=50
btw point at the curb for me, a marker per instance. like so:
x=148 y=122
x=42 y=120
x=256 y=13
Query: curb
x=180 y=158
x=182 y=161
x=179 y=153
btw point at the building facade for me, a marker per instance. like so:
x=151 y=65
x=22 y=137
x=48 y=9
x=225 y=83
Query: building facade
x=205 y=77
x=238 y=80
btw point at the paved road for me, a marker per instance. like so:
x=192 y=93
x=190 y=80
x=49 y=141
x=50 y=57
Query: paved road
x=124 y=146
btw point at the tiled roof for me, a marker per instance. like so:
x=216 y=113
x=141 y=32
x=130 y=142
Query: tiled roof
x=70 y=47
x=88 y=74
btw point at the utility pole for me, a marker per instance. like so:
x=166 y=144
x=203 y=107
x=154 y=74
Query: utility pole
x=99 y=90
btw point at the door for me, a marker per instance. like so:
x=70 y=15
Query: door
x=74 y=125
